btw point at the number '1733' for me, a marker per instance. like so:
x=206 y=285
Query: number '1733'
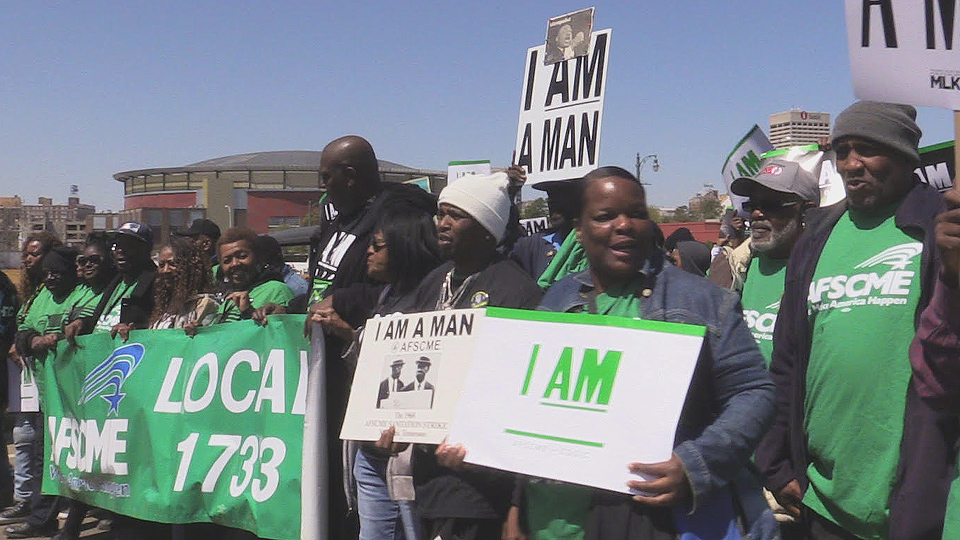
x=252 y=452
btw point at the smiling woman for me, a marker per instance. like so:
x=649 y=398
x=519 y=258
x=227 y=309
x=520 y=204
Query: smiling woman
x=726 y=409
x=614 y=227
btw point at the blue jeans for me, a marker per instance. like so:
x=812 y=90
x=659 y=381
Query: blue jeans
x=28 y=461
x=381 y=518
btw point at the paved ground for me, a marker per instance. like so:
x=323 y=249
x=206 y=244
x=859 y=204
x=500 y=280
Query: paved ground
x=90 y=529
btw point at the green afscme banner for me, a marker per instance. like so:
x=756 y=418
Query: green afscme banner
x=179 y=430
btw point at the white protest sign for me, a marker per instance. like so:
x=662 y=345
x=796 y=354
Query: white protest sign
x=534 y=225
x=575 y=397
x=29 y=393
x=410 y=374
x=903 y=51
x=561 y=107
x=821 y=164
x=744 y=161
x=937 y=165
x=456 y=169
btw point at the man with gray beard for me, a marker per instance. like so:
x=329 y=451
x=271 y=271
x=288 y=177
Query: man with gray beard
x=777 y=196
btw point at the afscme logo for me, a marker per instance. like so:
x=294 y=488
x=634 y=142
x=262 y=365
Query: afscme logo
x=869 y=287
x=772 y=169
x=897 y=257
x=107 y=379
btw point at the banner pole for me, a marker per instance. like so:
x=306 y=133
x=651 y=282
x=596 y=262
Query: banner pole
x=314 y=482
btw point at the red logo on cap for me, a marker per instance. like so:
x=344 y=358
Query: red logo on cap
x=773 y=170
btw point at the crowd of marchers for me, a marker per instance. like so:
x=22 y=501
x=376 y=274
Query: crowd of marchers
x=824 y=403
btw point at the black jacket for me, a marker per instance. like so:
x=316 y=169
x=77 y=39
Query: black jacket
x=918 y=501
x=479 y=493
x=9 y=305
x=352 y=267
x=135 y=309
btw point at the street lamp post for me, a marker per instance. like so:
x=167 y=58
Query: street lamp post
x=641 y=161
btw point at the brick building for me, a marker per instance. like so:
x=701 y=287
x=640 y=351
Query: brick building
x=264 y=191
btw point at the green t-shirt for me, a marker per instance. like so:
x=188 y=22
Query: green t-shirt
x=269 y=291
x=48 y=315
x=620 y=300
x=761 y=300
x=861 y=307
x=86 y=302
x=111 y=313
x=555 y=510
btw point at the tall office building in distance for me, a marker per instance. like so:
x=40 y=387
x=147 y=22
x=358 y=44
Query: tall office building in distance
x=798 y=128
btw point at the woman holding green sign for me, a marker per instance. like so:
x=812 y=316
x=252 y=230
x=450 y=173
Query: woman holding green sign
x=705 y=490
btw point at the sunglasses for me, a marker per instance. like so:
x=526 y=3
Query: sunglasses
x=377 y=247
x=768 y=205
x=93 y=259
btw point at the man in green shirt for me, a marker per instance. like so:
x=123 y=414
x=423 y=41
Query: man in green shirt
x=778 y=196
x=250 y=284
x=851 y=448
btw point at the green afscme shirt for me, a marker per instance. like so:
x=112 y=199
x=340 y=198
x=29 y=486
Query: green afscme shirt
x=861 y=306
x=269 y=291
x=87 y=301
x=762 y=291
x=48 y=314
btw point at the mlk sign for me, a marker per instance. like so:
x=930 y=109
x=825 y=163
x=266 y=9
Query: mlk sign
x=561 y=106
x=905 y=51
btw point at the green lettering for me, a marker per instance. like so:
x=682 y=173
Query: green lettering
x=593 y=375
x=751 y=162
x=561 y=375
x=533 y=362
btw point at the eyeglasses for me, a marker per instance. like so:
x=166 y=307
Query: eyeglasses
x=377 y=246
x=93 y=259
x=768 y=205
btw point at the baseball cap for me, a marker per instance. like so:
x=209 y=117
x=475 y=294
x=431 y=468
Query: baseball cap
x=204 y=227
x=780 y=175
x=140 y=231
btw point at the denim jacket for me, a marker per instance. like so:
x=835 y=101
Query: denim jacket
x=730 y=403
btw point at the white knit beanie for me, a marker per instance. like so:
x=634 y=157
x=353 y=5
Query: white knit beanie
x=483 y=197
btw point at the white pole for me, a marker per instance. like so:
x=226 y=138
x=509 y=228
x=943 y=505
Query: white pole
x=314 y=482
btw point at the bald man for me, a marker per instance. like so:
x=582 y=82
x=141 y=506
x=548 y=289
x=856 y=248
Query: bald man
x=350 y=175
x=338 y=251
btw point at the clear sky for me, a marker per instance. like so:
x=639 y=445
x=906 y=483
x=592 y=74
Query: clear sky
x=88 y=89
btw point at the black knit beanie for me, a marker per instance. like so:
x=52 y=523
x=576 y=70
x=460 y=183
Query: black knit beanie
x=889 y=124
x=61 y=259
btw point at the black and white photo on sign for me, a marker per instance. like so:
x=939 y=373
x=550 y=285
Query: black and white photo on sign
x=568 y=36
x=407 y=382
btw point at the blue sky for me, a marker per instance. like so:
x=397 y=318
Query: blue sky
x=88 y=89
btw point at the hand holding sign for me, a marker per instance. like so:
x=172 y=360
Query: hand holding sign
x=668 y=485
x=451 y=456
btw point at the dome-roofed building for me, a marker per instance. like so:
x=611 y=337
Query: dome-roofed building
x=263 y=190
